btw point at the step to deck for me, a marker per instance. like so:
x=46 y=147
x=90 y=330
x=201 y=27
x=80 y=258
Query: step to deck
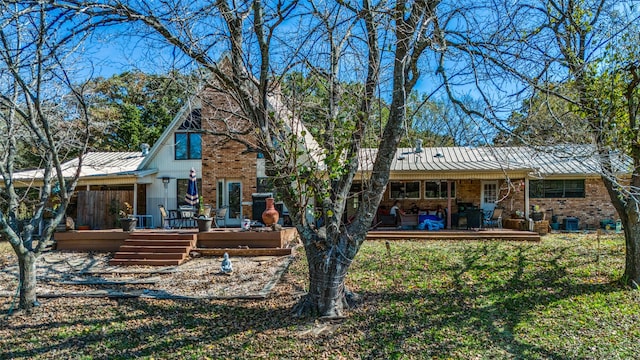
x=161 y=236
x=167 y=242
x=154 y=249
x=150 y=255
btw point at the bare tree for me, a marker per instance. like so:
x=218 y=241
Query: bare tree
x=40 y=109
x=377 y=45
x=575 y=55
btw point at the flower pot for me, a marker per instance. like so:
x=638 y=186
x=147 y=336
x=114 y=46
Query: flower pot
x=128 y=224
x=270 y=216
x=537 y=216
x=204 y=224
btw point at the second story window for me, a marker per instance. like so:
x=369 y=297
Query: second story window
x=188 y=138
x=188 y=146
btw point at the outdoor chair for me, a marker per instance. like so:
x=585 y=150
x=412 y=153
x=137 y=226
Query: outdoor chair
x=187 y=217
x=495 y=220
x=207 y=210
x=220 y=218
x=167 y=220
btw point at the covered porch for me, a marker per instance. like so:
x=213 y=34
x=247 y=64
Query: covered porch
x=463 y=184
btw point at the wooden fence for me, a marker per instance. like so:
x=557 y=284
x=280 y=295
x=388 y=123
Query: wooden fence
x=99 y=209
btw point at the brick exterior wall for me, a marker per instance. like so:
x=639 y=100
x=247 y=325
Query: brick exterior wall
x=595 y=206
x=590 y=210
x=223 y=158
x=227 y=162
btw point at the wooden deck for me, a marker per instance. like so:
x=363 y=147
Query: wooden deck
x=481 y=234
x=253 y=241
x=150 y=243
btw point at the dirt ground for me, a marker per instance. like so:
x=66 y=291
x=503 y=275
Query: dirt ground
x=73 y=274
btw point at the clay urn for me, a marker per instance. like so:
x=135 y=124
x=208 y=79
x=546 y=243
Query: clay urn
x=270 y=216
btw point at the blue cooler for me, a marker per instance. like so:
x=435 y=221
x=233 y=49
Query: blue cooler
x=570 y=224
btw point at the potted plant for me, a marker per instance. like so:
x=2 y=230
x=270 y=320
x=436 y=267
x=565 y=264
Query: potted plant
x=204 y=219
x=537 y=214
x=127 y=220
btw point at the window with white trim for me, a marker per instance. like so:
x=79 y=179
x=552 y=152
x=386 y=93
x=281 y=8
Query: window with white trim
x=556 y=188
x=404 y=189
x=437 y=189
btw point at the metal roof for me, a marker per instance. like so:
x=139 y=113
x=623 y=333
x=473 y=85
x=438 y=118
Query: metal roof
x=444 y=159
x=564 y=160
x=95 y=164
x=538 y=162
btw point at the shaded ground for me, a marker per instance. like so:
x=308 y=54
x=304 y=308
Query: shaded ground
x=557 y=299
x=89 y=274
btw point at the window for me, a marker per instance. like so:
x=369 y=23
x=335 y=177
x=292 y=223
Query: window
x=438 y=189
x=556 y=189
x=188 y=146
x=181 y=193
x=188 y=141
x=405 y=190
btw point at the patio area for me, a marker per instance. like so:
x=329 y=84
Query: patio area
x=173 y=247
x=497 y=234
x=260 y=241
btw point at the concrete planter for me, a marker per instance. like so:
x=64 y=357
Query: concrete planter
x=204 y=225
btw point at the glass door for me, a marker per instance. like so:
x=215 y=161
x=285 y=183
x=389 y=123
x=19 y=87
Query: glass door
x=229 y=195
x=234 y=201
x=489 y=196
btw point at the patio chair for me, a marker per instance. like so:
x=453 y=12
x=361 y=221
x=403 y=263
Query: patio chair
x=167 y=219
x=495 y=220
x=207 y=210
x=221 y=215
x=187 y=216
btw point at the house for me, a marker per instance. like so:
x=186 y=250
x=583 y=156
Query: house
x=564 y=181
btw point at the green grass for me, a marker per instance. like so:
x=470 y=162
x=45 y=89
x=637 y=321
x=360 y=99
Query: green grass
x=557 y=299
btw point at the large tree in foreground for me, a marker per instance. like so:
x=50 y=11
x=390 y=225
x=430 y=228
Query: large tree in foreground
x=577 y=61
x=40 y=109
x=375 y=44
x=597 y=43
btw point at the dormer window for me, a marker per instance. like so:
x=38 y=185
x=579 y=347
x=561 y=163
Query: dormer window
x=188 y=137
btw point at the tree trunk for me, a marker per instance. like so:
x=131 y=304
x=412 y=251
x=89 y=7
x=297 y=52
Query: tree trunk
x=27 y=265
x=327 y=296
x=632 y=243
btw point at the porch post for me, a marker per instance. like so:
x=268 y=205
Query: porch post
x=135 y=199
x=526 y=197
x=165 y=183
x=448 y=204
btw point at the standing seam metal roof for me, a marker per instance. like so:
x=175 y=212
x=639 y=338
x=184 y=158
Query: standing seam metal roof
x=556 y=160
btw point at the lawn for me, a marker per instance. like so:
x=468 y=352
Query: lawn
x=557 y=299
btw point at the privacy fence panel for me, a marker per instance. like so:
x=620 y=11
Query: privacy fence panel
x=99 y=209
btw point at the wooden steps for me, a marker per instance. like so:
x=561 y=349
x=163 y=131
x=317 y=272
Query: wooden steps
x=155 y=249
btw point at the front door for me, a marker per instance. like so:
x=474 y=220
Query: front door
x=231 y=197
x=489 y=196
